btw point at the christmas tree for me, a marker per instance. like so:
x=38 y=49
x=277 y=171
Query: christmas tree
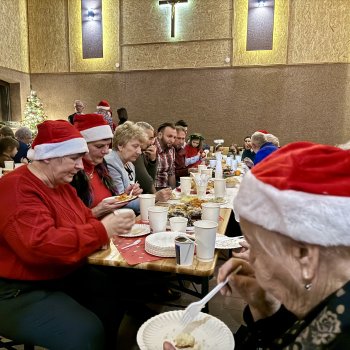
x=34 y=112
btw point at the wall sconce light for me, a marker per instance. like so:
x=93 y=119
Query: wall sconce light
x=261 y=3
x=91 y=14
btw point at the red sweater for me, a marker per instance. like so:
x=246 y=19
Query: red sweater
x=45 y=233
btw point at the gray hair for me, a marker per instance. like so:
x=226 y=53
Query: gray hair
x=145 y=126
x=273 y=139
x=258 y=138
x=23 y=133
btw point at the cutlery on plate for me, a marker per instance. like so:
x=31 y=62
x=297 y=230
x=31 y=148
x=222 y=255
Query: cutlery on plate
x=194 y=309
x=132 y=244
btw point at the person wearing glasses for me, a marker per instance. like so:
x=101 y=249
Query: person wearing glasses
x=126 y=148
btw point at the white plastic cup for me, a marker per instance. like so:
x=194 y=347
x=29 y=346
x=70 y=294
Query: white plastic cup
x=201 y=191
x=234 y=164
x=212 y=163
x=205 y=233
x=208 y=172
x=158 y=217
x=146 y=201
x=0 y=172
x=178 y=224
x=219 y=188
x=184 y=248
x=201 y=167
x=9 y=164
x=185 y=184
x=211 y=211
x=17 y=165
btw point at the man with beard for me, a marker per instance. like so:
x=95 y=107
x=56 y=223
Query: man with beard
x=180 y=167
x=165 y=176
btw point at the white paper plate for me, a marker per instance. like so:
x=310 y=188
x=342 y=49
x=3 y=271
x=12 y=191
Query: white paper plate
x=224 y=242
x=138 y=230
x=162 y=244
x=115 y=199
x=209 y=332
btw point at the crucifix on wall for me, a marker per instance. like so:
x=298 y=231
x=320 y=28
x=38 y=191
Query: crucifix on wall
x=173 y=4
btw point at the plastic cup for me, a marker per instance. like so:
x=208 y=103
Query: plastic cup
x=201 y=167
x=9 y=164
x=178 y=224
x=219 y=188
x=185 y=184
x=158 y=217
x=146 y=201
x=205 y=233
x=201 y=191
x=208 y=172
x=212 y=163
x=184 y=248
x=17 y=165
x=211 y=211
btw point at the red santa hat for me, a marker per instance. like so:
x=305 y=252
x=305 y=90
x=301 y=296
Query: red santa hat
x=263 y=131
x=301 y=191
x=56 y=138
x=93 y=127
x=104 y=105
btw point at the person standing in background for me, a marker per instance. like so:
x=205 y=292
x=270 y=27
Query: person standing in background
x=180 y=154
x=24 y=137
x=79 y=107
x=104 y=109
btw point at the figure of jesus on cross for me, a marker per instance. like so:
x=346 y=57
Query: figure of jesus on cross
x=172 y=3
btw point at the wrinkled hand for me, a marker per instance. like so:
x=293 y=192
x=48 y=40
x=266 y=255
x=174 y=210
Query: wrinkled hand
x=163 y=195
x=242 y=253
x=261 y=303
x=248 y=162
x=151 y=152
x=118 y=224
x=104 y=208
x=136 y=189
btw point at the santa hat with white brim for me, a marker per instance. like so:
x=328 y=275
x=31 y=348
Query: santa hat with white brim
x=104 y=105
x=93 y=127
x=56 y=138
x=301 y=191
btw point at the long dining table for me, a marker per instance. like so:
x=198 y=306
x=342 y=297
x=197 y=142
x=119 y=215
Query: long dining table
x=199 y=272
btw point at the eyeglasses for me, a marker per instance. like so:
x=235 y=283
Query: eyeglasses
x=129 y=171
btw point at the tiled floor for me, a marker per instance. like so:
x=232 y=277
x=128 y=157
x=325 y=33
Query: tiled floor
x=227 y=309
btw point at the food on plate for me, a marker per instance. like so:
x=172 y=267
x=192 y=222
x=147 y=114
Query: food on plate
x=231 y=181
x=122 y=197
x=192 y=201
x=184 y=340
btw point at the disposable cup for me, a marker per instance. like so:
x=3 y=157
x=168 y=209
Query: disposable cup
x=184 y=248
x=219 y=188
x=201 y=190
x=208 y=172
x=212 y=163
x=9 y=164
x=185 y=184
x=205 y=233
x=146 y=201
x=158 y=217
x=17 y=165
x=201 y=167
x=178 y=224
x=211 y=211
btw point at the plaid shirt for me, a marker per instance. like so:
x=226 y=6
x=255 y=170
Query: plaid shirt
x=165 y=164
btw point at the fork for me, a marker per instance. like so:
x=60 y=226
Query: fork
x=194 y=309
x=132 y=244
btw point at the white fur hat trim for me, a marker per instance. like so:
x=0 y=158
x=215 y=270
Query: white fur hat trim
x=312 y=218
x=97 y=133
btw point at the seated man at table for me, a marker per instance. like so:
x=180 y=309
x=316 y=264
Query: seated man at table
x=180 y=154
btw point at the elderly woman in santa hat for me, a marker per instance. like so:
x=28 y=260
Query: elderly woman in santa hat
x=48 y=295
x=294 y=213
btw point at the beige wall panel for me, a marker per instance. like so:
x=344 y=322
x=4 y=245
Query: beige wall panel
x=278 y=55
x=319 y=31
x=14 y=35
x=147 y=22
x=47 y=24
x=176 y=55
x=110 y=24
x=293 y=102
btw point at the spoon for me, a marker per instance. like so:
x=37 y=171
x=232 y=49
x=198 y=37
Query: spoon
x=132 y=244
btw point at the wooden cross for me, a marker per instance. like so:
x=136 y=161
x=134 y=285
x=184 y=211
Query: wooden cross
x=172 y=3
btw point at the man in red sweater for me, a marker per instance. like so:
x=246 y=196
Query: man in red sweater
x=48 y=295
